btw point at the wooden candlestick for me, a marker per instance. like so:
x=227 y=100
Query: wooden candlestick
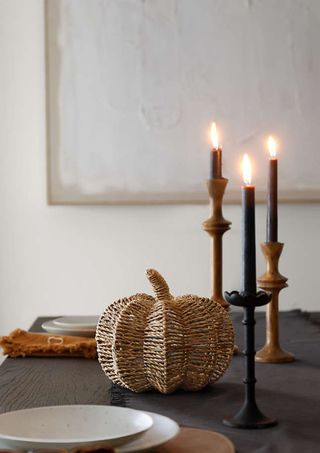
x=273 y=282
x=216 y=226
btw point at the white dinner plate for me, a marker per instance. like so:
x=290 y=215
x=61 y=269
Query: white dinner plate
x=162 y=430
x=67 y=427
x=77 y=322
x=51 y=327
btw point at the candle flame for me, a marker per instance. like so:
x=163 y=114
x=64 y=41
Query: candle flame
x=246 y=169
x=272 y=146
x=214 y=136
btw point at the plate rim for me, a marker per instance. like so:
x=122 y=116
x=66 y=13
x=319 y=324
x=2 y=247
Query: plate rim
x=73 y=440
x=83 y=326
x=126 y=448
x=65 y=329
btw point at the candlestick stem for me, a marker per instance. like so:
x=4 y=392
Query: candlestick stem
x=274 y=282
x=216 y=266
x=272 y=322
x=249 y=416
x=216 y=226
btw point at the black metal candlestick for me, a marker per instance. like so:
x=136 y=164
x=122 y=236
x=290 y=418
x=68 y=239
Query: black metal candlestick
x=249 y=416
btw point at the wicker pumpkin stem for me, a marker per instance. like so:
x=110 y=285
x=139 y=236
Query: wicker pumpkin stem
x=159 y=285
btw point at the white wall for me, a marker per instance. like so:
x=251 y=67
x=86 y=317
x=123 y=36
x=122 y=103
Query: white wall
x=67 y=260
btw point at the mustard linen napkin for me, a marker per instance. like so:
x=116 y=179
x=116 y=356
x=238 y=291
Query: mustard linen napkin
x=27 y=344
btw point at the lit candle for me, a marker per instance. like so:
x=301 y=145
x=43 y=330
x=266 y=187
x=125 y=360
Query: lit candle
x=272 y=209
x=248 y=278
x=215 y=159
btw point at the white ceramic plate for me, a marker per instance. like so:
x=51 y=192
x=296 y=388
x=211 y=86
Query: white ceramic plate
x=51 y=327
x=77 y=322
x=162 y=430
x=70 y=426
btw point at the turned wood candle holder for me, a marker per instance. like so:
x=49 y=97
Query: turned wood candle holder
x=273 y=282
x=216 y=226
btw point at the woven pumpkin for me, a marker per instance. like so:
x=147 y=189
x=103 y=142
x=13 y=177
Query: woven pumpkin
x=164 y=342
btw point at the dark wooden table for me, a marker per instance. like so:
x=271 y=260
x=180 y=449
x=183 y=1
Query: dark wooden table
x=289 y=392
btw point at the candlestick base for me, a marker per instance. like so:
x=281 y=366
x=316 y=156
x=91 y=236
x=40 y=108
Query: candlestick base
x=274 y=282
x=250 y=417
x=273 y=354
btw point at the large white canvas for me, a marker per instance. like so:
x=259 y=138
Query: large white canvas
x=133 y=86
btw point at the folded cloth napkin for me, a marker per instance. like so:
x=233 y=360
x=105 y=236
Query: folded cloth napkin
x=24 y=344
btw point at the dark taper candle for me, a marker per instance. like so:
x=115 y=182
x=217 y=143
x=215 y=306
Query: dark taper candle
x=248 y=278
x=215 y=155
x=215 y=164
x=272 y=208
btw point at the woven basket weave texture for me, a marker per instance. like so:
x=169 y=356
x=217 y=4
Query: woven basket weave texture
x=164 y=343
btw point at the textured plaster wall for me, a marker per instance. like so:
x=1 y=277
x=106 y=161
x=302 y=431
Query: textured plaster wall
x=137 y=83
x=67 y=260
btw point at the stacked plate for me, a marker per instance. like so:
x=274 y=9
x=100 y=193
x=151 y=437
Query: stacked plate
x=81 y=326
x=66 y=427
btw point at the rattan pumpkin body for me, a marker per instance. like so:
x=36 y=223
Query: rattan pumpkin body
x=164 y=342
